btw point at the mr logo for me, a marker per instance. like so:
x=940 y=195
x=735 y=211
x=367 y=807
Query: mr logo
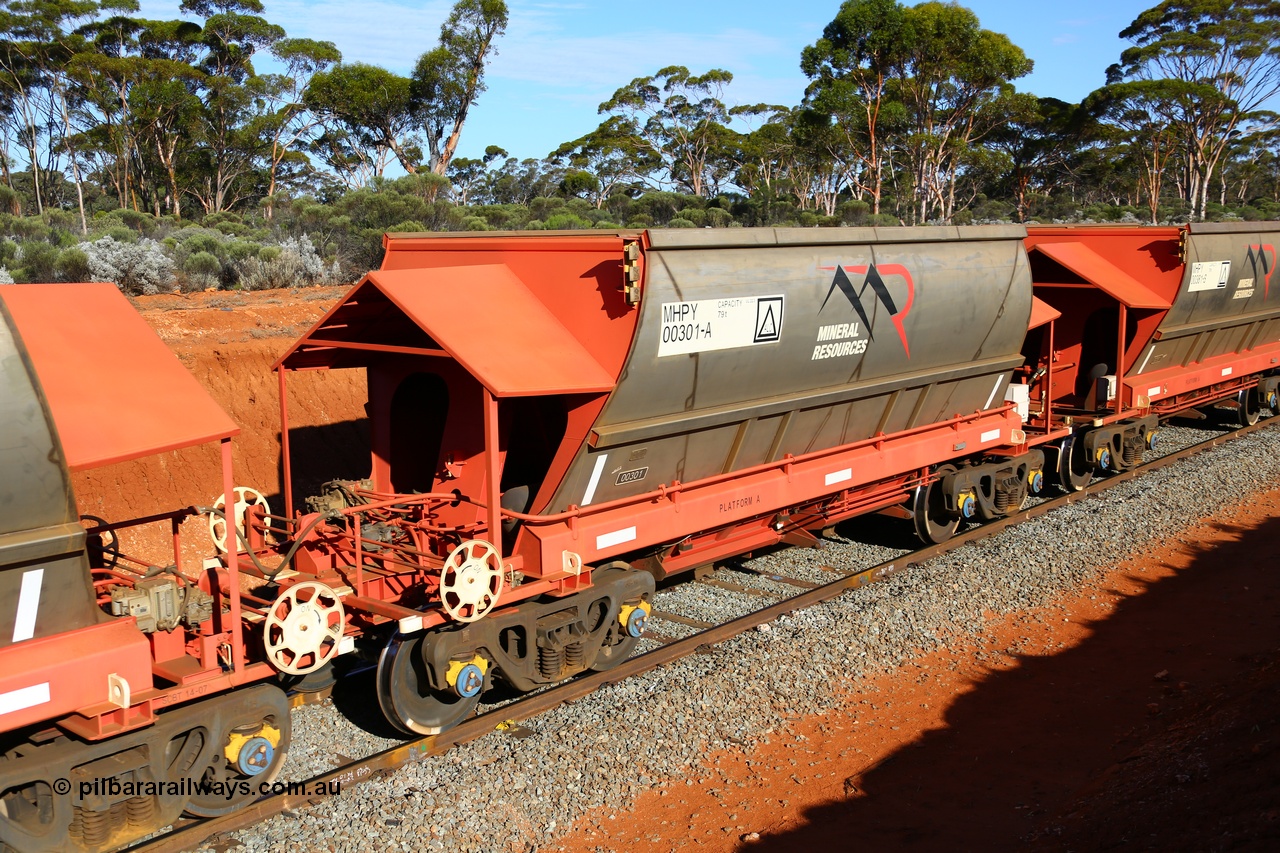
x=1263 y=266
x=874 y=281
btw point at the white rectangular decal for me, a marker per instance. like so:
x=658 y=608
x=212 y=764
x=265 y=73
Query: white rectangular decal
x=24 y=626
x=1153 y=390
x=594 y=482
x=1226 y=371
x=617 y=537
x=989 y=435
x=27 y=697
x=839 y=476
x=1209 y=275
x=704 y=325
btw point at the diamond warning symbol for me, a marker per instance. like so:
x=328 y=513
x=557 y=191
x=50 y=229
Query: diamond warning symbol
x=768 y=319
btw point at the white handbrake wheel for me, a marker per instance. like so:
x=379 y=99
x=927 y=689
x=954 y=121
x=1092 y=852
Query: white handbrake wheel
x=471 y=580
x=245 y=498
x=303 y=628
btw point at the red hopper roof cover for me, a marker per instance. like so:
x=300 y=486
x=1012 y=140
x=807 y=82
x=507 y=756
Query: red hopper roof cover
x=116 y=391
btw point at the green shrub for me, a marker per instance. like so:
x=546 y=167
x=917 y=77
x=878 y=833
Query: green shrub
x=679 y=222
x=203 y=263
x=39 y=262
x=73 y=265
x=566 y=222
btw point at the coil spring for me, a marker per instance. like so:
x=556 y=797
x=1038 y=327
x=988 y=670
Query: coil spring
x=550 y=662
x=140 y=810
x=1131 y=450
x=93 y=826
x=1003 y=498
x=575 y=655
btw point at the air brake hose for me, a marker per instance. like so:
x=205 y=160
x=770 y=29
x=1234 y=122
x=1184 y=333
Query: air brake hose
x=270 y=574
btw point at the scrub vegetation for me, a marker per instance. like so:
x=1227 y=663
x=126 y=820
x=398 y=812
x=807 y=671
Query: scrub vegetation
x=157 y=155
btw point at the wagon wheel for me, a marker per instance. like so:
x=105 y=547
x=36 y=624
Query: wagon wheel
x=228 y=764
x=1249 y=407
x=406 y=696
x=618 y=643
x=1074 y=467
x=934 y=524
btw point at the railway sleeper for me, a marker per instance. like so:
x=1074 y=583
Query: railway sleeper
x=549 y=640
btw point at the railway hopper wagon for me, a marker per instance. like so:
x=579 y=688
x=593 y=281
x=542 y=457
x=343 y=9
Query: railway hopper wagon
x=1148 y=322
x=127 y=694
x=559 y=419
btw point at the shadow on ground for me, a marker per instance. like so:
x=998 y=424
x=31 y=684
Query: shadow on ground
x=1088 y=749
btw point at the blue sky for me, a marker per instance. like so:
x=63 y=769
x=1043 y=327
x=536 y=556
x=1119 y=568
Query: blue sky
x=559 y=60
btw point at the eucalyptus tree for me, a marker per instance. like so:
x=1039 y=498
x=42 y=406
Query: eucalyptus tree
x=952 y=75
x=285 y=122
x=448 y=79
x=1036 y=137
x=1136 y=112
x=680 y=119
x=138 y=85
x=368 y=116
x=37 y=40
x=231 y=95
x=1204 y=68
x=852 y=68
x=614 y=154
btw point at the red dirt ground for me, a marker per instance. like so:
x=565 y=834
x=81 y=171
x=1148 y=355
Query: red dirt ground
x=1141 y=712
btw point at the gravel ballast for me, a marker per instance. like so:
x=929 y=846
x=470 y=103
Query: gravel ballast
x=506 y=793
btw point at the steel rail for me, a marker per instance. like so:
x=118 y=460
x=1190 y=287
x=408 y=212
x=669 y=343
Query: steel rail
x=194 y=832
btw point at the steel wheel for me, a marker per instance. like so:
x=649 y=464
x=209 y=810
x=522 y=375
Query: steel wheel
x=618 y=644
x=222 y=785
x=1250 y=407
x=929 y=511
x=1075 y=469
x=406 y=696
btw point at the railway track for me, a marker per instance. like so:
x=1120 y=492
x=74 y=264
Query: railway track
x=189 y=834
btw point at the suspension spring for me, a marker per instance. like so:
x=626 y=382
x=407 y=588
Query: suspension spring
x=140 y=810
x=1003 y=498
x=1131 y=451
x=575 y=654
x=94 y=828
x=550 y=662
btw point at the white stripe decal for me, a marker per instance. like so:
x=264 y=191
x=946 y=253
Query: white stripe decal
x=994 y=389
x=989 y=435
x=1143 y=366
x=1226 y=371
x=24 y=626
x=595 y=479
x=839 y=476
x=26 y=697
x=617 y=537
